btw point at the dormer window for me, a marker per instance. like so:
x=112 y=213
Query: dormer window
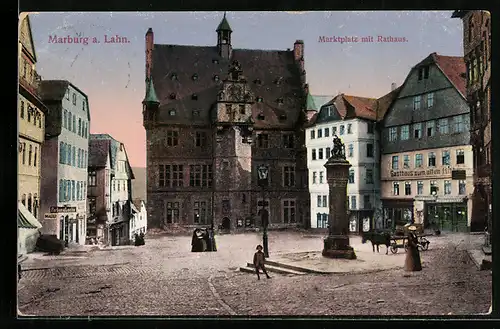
x=257 y=81
x=194 y=97
x=172 y=112
x=174 y=76
x=261 y=116
x=282 y=117
x=215 y=61
x=195 y=76
x=216 y=78
x=173 y=96
x=280 y=100
x=259 y=99
x=423 y=72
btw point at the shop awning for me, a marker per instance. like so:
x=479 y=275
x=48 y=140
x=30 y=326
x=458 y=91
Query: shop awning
x=25 y=219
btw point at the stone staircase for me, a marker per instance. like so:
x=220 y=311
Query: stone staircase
x=280 y=268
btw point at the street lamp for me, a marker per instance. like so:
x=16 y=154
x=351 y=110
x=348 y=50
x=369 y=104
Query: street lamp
x=263 y=173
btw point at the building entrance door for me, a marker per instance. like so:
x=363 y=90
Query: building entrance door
x=446 y=218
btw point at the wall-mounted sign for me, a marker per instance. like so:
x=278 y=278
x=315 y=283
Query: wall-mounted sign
x=421 y=173
x=62 y=209
x=458 y=174
x=50 y=216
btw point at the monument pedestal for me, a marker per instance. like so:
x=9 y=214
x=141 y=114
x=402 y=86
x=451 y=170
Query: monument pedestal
x=337 y=246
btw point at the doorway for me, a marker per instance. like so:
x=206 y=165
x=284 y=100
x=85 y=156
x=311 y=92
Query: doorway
x=226 y=224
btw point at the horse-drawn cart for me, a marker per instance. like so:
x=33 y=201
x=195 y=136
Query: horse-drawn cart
x=401 y=241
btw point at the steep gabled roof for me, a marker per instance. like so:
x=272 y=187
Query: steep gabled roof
x=385 y=102
x=114 y=145
x=454 y=69
x=186 y=70
x=360 y=107
x=99 y=151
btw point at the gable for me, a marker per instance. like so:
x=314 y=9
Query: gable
x=25 y=36
x=412 y=86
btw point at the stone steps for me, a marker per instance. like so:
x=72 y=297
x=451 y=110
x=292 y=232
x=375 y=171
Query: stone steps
x=250 y=268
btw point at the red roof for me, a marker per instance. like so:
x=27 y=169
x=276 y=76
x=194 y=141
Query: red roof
x=454 y=69
x=363 y=107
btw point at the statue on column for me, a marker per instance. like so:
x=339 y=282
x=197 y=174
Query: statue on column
x=338 y=150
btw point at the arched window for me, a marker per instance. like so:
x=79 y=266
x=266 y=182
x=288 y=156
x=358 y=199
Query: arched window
x=29 y=155
x=61 y=190
x=35 y=205
x=34 y=156
x=29 y=203
x=61 y=153
x=23 y=200
x=74 y=156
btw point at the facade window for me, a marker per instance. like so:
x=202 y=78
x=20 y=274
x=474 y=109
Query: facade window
x=446 y=158
x=200 y=175
x=313 y=134
x=322 y=220
x=460 y=157
x=334 y=130
x=172 y=138
x=314 y=177
x=73 y=190
x=447 y=187
x=350 y=151
x=420 y=187
x=92 y=178
x=430 y=100
x=366 y=201
x=349 y=128
x=393 y=134
x=92 y=205
x=417 y=130
x=171 y=175
x=201 y=139
x=328 y=153
x=416 y=102
x=407 y=188
x=67 y=197
x=395 y=188
x=430 y=128
x=405 y=132
x=395 y=162
x=69 y=121
x=406 y=161
x=353 y=202
x=79 y=127
x=30 y=204
x=461 y=187
x=351 y=176
x=320 y=201
x=443 y=126
x=200 y=212
x=79 y=158
x=320 y=133
x=29 y=113
x=432 y=159
x=34 y=156
x=320 y=154
x=369 y=176
x=370 y=127
x=24 y=153
x=418 y=160
x=61 y=190
x=68 y=153
x=327 y=132
x=289 y=176
x=313 y=154
x=434 y=187
x=263 y=141
x=77 y=191
x=342 y=129
x=369 y=150
x=321 y=177
x=289 y=211
x=288 y=141
x=73 y=159
x=172 y=212
x=73 y=124
x=65 y=119
x=325 y=203
x=242 y=108
x=74 y=99
x=22 y=109
x=460 y=123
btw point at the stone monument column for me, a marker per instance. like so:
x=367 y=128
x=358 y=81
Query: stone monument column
x=336 y=244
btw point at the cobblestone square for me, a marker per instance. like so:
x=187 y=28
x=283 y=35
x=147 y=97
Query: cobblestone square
x=165 y=278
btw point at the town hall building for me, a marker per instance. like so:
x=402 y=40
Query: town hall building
x=213 y=115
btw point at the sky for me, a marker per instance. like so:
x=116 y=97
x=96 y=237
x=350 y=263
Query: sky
x=112 y=75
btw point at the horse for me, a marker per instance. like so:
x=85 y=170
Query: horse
x=377 y=238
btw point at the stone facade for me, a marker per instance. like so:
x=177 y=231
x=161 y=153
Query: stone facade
x=477 y=55
x=219 y=114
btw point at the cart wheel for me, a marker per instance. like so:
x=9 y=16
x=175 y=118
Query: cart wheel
x=394 y=249
x=425 y=245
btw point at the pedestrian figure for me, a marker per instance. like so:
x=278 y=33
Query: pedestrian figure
x=412 y=260
x=258 y=262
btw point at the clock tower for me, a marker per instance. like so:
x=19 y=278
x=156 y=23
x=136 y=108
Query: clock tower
x=233 y=127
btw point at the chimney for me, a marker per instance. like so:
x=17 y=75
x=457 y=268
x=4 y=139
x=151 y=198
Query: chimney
x=298 y=55
x=149 y=52
x=394 y=86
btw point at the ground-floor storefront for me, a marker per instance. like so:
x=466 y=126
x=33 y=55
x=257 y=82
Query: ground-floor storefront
x=72 y=228
x=119 y=234
x=360 y=221
x=450 y=216
x=397 y=212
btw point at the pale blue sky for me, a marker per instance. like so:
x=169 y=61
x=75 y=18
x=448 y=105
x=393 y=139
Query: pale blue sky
x=113 y=75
